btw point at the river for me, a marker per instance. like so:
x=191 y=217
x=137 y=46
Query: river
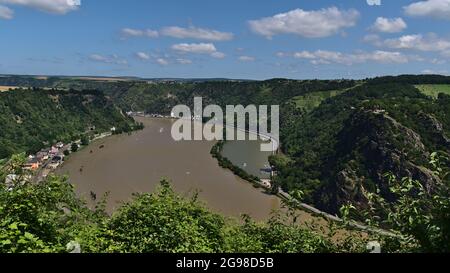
x=248 y=156
x=136 y=163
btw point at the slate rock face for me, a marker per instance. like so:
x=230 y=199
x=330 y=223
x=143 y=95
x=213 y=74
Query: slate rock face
x=382 y=145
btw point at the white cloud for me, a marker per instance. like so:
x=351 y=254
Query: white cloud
x=130 y=32
x=373 y=39
x=389 y=25
x=437 y=61
x=380 y=56
x=310 y=24
x=183 y=61
x=162 y=61
x=110 y=59
x=304 y=55
x=246 y=58
x=328 y=57
x=200 y=48
x=6 y=13
x=179 y=32
x=374 y=2
x=418 y=42
x=51 y=6
x=435 y=72
x=218 y=55
x=196 y=33
x=143 y=56
x=439 y=9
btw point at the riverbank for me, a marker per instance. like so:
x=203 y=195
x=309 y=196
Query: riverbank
x=216 y=152
x=135 y=164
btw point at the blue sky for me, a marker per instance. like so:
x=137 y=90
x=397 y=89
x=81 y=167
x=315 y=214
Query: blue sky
x=254 y=39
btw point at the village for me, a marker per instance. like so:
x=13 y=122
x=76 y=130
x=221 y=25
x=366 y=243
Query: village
x=47 y=160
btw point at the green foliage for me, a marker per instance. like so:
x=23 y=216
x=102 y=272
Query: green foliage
x=45 y=217
x=74 y=147
x=38 y=217
x=33 y=119
x=164 y=222
x=162 y=97
x=84 y=140
x=420 y=215
x=433 y=90
x=356 y=137
x=310 y=101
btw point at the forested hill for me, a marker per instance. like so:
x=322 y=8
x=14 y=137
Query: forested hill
x=341 y=151
x=339 y=137
x=160 y=98
x=31 y=119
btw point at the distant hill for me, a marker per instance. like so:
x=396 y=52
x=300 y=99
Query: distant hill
x=338 y=137
x=342 y=149
x=31 y=118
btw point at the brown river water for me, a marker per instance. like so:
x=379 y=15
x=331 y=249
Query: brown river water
x=136 y=163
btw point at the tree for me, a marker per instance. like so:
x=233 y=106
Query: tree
x=84 y=140
x=74 y=147
x=420 y=217
x=52 y=216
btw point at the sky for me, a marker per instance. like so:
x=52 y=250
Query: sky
x=241 y=39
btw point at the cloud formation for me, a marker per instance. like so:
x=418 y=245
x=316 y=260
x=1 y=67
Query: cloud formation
x=143 y=56
x=426 y=43
x=196 y=33
x=309 y=24
x=130 y=32
x=162 y=61
x=246 y=58
x=110 y=59
x=438 y=9
x=179 y=33
x=329 y=57
x=50 y=6
x=183 y=61
x=200 y=48
x=6 y=13
x=389 y=25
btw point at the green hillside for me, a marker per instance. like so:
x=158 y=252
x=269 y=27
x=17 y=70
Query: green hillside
x=35 y=118
x=343 y=148
x=312 y=100
x=433 y=90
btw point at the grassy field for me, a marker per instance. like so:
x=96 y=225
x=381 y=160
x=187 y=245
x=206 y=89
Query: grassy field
x=6 y=88
x=310 y=101
x=433 y=90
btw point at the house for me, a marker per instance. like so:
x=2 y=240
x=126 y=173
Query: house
x=42 y=155
x=32 y=164
x=53 y=165
x=59 y=145
x=53 y=151
x=58 y=158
